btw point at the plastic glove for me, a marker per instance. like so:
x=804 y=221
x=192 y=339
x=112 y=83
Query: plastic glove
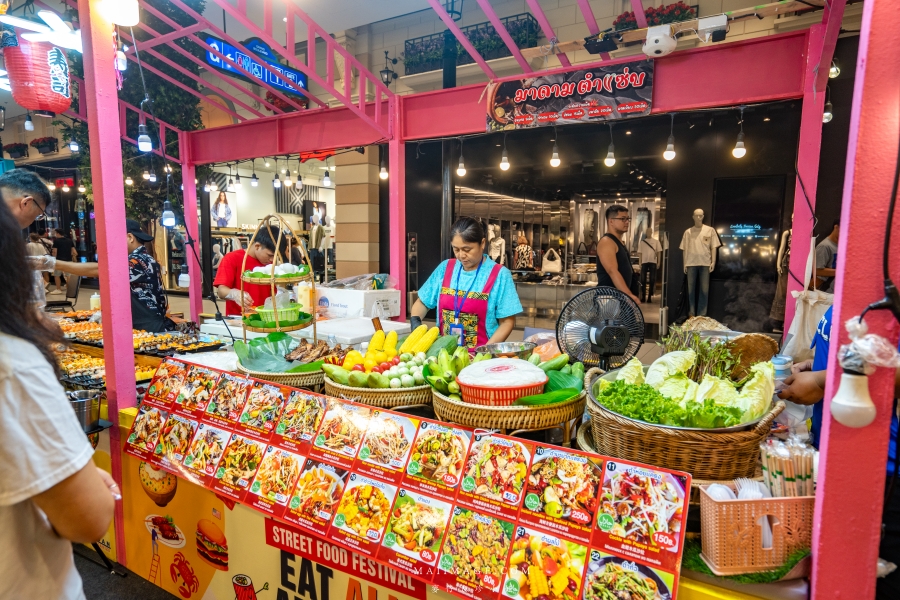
x=45 y=263
x=235 y=296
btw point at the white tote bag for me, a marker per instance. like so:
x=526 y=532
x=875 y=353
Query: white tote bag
x=552 y=262
x=810 y=307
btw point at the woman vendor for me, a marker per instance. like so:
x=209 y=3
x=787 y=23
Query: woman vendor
x=474 y=296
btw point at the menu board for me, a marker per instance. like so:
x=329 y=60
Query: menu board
x=479 y=514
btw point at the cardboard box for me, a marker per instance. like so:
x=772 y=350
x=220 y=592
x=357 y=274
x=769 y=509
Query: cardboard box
x=342 y=303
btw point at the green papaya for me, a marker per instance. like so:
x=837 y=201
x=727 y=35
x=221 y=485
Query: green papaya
x=378 y=381
x=337 y=374
x=358 y=379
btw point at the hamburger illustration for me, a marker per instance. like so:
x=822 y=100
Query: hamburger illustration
x=211 y=544
x=159 y=485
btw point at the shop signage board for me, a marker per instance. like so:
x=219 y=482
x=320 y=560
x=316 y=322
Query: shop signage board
x=604 y=93
x=468 y=512
x=253 y=64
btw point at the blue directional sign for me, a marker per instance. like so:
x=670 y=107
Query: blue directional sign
x=253 y=64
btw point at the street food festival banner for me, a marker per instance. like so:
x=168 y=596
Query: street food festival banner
x=417 y=504
x=584 y=96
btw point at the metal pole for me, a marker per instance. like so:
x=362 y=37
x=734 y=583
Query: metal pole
x=449 y=60
x=190 y=223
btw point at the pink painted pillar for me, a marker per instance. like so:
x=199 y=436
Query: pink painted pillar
x=397 y=207
x=109 y=203
x=847 y=523
x=191 y=223
x=638 y=7
x=808 y=164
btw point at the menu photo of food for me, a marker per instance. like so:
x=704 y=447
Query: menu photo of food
x=611 y=577
x=363 y=513
x=206 y=449
x=387 y=443
x=196 y=389
x=238 y=464
x=145 y=431
x=167 y=381
x=475 y=550
x=262 y=410
x=301 y=418
x=167 y=532
x=544 y=566
x=416 y=528
x=644 y=506
x=342 y=430
x=438 y=455
x=562 y=489
x=228 y=397
x=496 y=470
x=316 y=495
x=175 y=438
x=277 y=475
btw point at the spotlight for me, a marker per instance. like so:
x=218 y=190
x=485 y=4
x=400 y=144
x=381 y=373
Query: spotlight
x=144 y=142
x=834 y=70
x=554 y=158
x=168 y=216
x=828 y=115
x=73 y=145
x=29 y=124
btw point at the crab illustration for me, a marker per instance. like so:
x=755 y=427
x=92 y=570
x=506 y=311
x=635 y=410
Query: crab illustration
x=182 y=570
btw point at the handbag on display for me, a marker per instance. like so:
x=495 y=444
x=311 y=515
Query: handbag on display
x=552 y=262
x=811 y=306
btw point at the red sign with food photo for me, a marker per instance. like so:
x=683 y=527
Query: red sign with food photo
x=493 y=479
x=300 y=421
x=415 y=533
x=362 y=514
x=437 y=458
x=275 y=479
x=315 y=497
x=226 y=403
x=341 y=433
x=386 y=446
x=237 y=466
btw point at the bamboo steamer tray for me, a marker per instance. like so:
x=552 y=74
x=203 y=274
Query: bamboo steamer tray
x=507 y=417
x=389 y=398
x=312 y=380
x=278 y=280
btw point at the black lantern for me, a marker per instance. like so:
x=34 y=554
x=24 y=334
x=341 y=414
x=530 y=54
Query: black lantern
x=388 y=75
x=454 y=8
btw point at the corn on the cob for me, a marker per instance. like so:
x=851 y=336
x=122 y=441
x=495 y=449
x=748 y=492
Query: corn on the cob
x=414 y=337
x=426 y=341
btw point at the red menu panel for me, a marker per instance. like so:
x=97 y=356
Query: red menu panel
x=174 y=440
x=495 y=474
x=542 y=564
x=341 y=433
x=316 y=496
x=166 y=384
x=226 y=403
x=205 y=451
x=141 y=441
x=608 y=574
x=300 y=420
x=237 y=466
x=274 y=481
x=386 y=446
x=262 y=411
x=436 y=462
x=363 y=513
x=415 y=533
x=193 y=396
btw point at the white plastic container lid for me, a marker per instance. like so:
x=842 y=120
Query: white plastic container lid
x=502 y=372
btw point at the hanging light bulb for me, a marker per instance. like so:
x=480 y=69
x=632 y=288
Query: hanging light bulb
x=206 y=186
x=81 y=188
x=237 y=181
x=73 y=145
x=213 y=186
x=254 y=180
x=383 y=174
x=739 y=150
x=554 y=158
x=504 y=158
x=145 y=175
x=129 y=181
x=66 y=187
x=29 y=124
x=152 y=176
x=145 y=144
x=168 y=215
x=230 y=186
x=852 y=405
x=326 y=181
x=51 y=186
x=828 y=115
x=834 y=70
x=268 y=164
x=461 y=169
x=299 y=177
x=168 y=169
x=276 y=183
x=610 y=159
x=669 y=154
x=287 y=179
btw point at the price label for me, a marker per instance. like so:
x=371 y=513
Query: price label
x=510 y=497
x=449 y=479
x=665 y=540
x=580 y=516
x=427 y=555
x=489 y=580
x=373 y=534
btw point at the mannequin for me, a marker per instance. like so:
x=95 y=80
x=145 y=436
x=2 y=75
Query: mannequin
x=783 y=265
x=698 y=246
x=589 y=228
x=498 y=247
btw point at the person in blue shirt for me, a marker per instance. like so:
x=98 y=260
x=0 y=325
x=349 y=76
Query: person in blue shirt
x=475 y=297
x=807 y=386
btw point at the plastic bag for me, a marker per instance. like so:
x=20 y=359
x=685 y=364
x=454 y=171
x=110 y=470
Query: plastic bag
x=44 y=263
x=866 y=350
x=369 y=281
x=282 y=300
x=541 y=338
x=548 y=351
x=810 y=307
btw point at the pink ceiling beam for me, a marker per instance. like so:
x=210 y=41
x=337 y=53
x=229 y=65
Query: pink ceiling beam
x=547 y=28
x=169 y=37
x=377 y=122
x=504 y=34
x=638 y=7
x=229 y=61
x=589 y=18
x=461 y=38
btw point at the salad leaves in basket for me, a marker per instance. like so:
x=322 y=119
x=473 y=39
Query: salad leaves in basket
x=644 y=403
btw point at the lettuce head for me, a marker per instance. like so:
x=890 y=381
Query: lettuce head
x=677 y=387
x=667 y=365
x=719 y=390
x=756 y=395
x=632 y=372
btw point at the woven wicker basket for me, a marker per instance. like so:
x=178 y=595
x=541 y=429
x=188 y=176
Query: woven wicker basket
x=732 y=537
x=311 y=381
x=507 y=417
x=585 y=439
x=381 y=398
x=751 y=348
x=705 y=455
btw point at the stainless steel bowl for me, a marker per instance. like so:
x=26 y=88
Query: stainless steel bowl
x=86 y=404
x=522 y=350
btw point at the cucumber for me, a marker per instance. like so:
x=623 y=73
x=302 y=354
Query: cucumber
x=445 y=342
x=535 y=359
x=566 y=369
x=555 y=364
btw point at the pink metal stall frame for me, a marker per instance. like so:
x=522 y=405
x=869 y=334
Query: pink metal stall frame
x=504 y=34
x=461 y=38
x=638 y=7
x=547 y=28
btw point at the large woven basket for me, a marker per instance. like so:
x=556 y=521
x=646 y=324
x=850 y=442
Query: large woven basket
x=508 y=418
x=585 y=438
x=311 y=381
x=381 y=398
x=704 y=454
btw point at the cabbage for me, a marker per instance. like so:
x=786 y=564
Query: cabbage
x=756 y=395
x=667 y=365
x=720 y=390
x=632 y=372
x=676 y=387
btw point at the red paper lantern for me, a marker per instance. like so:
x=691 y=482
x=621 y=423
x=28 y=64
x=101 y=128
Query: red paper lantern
x=39 y=77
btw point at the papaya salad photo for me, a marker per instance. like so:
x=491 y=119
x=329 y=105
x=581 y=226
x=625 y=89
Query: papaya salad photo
x=229 y=396
x=318 y=491
x=175 y=437
x=497 y=468
x=641 y=504
x=277 y=475
x=301 y=417
x=565 y=487
x=206 y=449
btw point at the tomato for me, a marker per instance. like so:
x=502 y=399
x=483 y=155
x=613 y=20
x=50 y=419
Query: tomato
x=395 y=361
x=377 y=369
x=359 y=367
x=384 y=366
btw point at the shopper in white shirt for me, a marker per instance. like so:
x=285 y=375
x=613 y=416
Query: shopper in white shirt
x=51 y=494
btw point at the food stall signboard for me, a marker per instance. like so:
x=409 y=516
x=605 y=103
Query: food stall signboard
x=605 y=93
x=252 y=64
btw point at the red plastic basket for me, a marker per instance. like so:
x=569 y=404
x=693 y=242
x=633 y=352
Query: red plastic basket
x=497 y=396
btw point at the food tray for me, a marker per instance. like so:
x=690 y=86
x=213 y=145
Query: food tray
x=275 y=329
x=732 y=537
x=278 y=280
x=705 y=454
x=497 y=396
x=284 y=314
x=507 y=417
x=381 y=398
x=311 y=380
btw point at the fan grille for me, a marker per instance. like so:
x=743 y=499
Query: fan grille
x=593 y=308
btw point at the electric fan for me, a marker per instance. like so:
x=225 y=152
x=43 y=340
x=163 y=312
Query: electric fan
x=601 y=327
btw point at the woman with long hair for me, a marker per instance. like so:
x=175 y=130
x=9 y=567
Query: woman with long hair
x=221 y=212
x=51 y=494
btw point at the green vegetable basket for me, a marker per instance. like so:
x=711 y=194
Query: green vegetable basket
x=290 y=313
x=713 y=455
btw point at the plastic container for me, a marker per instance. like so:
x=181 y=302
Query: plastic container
x=731 y=534
x=95 y=301
x=497 y=396
x=290 y=313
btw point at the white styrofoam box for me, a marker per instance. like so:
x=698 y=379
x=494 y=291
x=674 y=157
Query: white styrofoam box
x=342 y=303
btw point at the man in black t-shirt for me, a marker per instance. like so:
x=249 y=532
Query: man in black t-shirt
x=63 y=250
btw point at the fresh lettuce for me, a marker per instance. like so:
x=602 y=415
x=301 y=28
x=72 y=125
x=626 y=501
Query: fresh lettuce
x=669 y=365
x=719 y=390
x=707 y=414
x=755 y=397
x=644 y=403
x=677 y=387
x=632 y=372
